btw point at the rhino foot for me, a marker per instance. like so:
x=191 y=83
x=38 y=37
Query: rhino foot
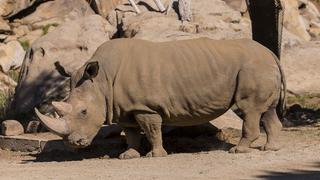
x=240 y=149
x=130 y=154
x=270 y=147
x=157 y=153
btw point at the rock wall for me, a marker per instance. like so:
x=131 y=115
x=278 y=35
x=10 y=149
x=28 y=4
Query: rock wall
x=29 y=24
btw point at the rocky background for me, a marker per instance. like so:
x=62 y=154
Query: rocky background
x=71 y=30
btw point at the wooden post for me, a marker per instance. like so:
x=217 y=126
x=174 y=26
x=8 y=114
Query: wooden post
x=160 y=5
x=135 y=7
x=185 y=10
x=266 y=19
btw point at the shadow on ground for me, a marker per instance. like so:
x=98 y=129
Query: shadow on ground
x=294 y=174
x=299 y=116
x=181 y=140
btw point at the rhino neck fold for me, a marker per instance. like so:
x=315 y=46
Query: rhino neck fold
x=106 y=87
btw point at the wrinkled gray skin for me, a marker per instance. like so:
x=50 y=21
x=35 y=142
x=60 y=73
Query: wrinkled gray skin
x=142 y=85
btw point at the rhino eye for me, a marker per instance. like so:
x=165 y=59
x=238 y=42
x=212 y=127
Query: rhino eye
x=84 y=111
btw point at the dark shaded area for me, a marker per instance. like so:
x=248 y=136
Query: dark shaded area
x=266 y=19
x=175 y=7
x=293 y=175
x=111 y=148
x=182 y=140
x=27 y=11
x=30 y=94
x=149 y=8
x=299 y=116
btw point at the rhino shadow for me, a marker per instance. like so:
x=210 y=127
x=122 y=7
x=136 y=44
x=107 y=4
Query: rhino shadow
x=300 y=116
x=193 y=139
x=293 y=175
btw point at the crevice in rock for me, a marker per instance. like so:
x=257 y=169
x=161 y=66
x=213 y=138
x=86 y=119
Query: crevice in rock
x=25 y=12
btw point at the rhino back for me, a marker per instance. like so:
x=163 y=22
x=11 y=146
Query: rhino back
x=190 y=78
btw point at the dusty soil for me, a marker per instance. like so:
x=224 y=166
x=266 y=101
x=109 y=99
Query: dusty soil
x=192 y=157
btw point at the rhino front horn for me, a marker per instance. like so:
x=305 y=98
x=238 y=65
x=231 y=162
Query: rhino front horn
x=58 y=126
x=62 y=108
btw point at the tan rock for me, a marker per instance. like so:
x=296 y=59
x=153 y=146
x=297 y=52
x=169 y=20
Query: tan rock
x=33 y=127
x=293 y=21
x=7 y=84
x=21 y=30
x=214 y=19
x=5 y=7
x=57 y=12
x=11 y=128
x=69 y=45
x=315 y=33
x=301 y=66
x=228 y=120
x=11 y=55
x=4 y=26
x=32 y=36
x=103 y=7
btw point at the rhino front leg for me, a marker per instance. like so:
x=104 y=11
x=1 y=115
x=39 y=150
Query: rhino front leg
x=151 y=124
x=133 y=138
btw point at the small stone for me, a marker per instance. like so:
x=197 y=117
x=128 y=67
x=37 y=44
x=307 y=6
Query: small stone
x=33 y=127
x=228 y=120
x=21 y=30
x=11 y=128
x=227 y=134
x=4 y=26
x=11 y=55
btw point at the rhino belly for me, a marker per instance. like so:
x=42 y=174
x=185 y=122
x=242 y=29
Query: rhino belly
x=194 y=119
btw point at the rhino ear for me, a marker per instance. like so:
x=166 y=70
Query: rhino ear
x=91 y=70
x=61 y=69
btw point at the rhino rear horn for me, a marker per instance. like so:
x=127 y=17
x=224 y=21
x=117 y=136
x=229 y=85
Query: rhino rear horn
x=57 y=126
x=62 y=108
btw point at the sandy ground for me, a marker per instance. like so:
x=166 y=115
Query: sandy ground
x=298 y=159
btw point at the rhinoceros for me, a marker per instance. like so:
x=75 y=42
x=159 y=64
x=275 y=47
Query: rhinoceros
x=142 y=85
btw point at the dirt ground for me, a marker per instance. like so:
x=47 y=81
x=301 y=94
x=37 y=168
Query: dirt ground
x=192 y=157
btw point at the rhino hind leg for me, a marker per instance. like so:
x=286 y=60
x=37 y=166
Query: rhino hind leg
x=151 y=125
x=133 y=138
x=272 y=126
x=250 y=132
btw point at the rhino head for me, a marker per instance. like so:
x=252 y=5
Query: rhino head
x=83 y=114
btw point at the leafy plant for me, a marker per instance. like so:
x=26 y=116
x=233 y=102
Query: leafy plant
x=25 y=44
x=45 y=29
x=5 y=99
x=310 y=101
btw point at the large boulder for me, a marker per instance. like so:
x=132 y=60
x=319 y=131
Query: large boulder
x=10 y=8
x=211 y=18
x=55 y=12
x=53 y=57
x=293 y=21
x=11 y=56
x=103 y=7
x=301 y=64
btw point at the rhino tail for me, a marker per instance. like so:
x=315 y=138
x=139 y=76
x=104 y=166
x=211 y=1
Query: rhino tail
x=281 y=107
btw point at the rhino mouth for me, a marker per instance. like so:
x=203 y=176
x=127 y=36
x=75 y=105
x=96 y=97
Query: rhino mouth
x=76 y=143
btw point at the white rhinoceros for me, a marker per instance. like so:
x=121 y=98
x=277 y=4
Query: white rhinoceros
x=142 y=85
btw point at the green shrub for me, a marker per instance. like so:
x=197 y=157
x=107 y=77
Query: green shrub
x=45 y=29
x=5 y=99
x=309 y=101
x=25 y=44
x=14 y=74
